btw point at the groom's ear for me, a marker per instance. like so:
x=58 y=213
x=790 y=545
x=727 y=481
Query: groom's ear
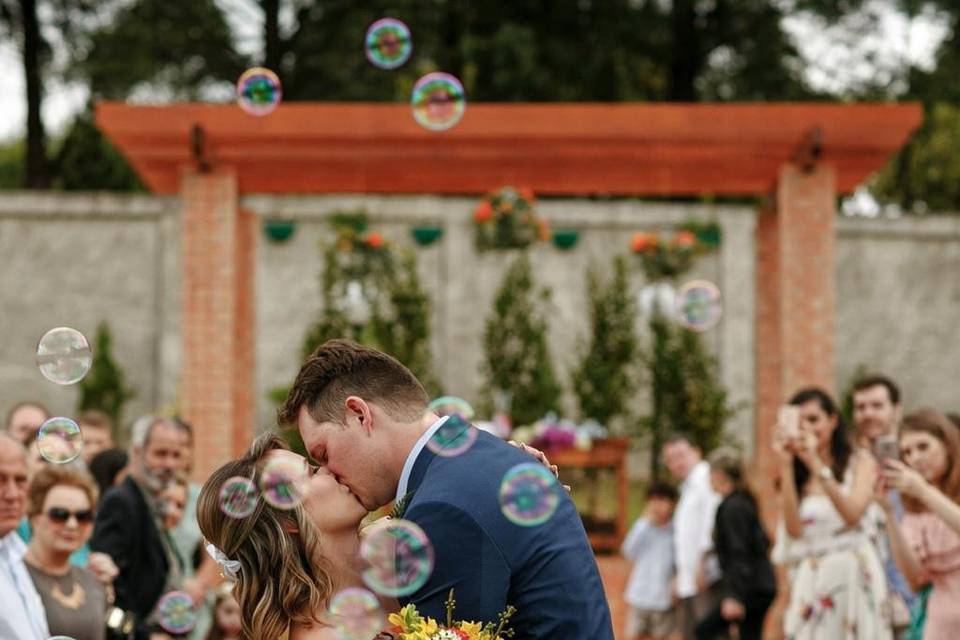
x=359 y=412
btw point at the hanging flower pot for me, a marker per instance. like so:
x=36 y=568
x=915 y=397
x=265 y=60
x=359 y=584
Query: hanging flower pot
x=425 y=236
x=565 y=238
x=279 y=230
x=505 y=219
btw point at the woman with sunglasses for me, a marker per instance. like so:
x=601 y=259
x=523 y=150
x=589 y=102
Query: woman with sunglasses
x=60 y=505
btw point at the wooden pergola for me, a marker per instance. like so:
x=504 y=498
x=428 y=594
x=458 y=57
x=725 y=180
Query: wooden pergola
x=796 y=157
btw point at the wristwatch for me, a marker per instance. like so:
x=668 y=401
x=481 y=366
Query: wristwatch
x=826 y=473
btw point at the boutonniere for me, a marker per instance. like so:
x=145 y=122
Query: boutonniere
x=400 y=506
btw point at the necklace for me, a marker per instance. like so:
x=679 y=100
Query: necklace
x=77 y=596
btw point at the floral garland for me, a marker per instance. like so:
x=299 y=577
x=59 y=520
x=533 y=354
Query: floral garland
x=408 y=624
x=505 y=219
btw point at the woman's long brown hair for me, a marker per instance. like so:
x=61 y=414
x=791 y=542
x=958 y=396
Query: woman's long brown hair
x=284 y=579
x=940 y=427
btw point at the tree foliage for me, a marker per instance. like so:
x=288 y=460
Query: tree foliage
x=517 y=357
x=104 y=387
x=605 y=381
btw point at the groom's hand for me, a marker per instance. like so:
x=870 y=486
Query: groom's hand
x=541 y=458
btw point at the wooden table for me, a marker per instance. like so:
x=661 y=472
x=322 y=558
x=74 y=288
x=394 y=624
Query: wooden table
x=605 y=534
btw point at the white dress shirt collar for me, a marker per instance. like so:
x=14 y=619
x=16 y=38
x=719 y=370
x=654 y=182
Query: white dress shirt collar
x=414 y=454
x=24 y=616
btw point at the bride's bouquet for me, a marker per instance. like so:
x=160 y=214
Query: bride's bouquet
x=408 y=624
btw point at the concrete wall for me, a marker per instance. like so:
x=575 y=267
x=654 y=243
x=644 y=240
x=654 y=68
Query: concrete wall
x=76 y=259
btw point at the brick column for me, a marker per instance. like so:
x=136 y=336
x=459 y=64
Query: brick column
x=217 y=386
x=795 y=303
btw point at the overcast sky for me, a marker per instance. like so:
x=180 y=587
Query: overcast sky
x=835 y=54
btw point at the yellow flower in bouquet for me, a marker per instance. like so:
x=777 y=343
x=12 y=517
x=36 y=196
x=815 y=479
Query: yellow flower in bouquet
x=408 y=624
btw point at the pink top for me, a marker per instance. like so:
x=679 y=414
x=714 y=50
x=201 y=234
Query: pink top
x=937 y=548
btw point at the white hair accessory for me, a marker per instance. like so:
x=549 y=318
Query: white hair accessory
x=230 y=567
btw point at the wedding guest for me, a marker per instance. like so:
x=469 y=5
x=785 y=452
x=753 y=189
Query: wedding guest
x=61 y=501
x=693 y=531
x=127 y=525
x=109 y=468
x=97 y=429
x=837 y=585
x=226 y=615
x=23 y=615
x=925 y=547
x=25 y=418
x=748 y=583
x=649 y=546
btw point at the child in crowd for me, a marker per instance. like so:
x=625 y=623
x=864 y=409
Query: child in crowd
x=226 y=615
x=650 y=546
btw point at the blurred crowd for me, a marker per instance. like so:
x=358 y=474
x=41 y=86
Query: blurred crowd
x=90 y=549
x=866 y=545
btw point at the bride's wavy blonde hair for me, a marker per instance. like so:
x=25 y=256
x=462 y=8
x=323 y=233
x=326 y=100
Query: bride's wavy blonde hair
x=284 y=578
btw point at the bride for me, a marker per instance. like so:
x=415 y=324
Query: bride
x=288 y=563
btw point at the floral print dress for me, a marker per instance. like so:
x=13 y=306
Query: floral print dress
x=838 y=589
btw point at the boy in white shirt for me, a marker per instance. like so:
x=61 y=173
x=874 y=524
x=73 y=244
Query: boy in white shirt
x=650 y=546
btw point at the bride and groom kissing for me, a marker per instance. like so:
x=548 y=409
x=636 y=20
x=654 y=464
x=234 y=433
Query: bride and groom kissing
x=363 y=418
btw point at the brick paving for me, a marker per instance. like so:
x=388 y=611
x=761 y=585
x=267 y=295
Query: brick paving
x=614 y=570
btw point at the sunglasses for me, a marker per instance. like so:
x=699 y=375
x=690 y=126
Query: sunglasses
x=61 y=515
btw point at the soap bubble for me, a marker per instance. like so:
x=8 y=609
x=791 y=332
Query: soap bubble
x=176 y=613
x=238 y=497
x=64 y=356
x=59 y=440
x=699 y=305
x=438 y=101
x=529 y=494
x=388 y=43
x=399 y=558
x=282 y=483
x=258 y=91
x=356 y=614
x=456 y=435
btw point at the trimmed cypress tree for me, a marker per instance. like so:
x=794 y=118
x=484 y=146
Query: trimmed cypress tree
x=515 y=341
x=103 y=387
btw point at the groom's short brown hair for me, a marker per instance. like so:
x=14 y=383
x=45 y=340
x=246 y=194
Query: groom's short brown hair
x=341 y=368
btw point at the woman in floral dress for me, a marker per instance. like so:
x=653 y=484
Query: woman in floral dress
x=838 y=589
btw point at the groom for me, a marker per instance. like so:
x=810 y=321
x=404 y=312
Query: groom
x=362 y=415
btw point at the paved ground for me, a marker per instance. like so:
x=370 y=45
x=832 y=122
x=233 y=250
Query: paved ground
x=615 y=570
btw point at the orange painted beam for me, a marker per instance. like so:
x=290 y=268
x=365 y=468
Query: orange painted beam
x=562 y=149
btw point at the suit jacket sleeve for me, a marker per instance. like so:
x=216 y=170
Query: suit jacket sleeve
x=736 y=523
x=114 y=534
x=465 y=559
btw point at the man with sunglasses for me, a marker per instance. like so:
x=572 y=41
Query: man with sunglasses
x=127 y=525
x=23 y=614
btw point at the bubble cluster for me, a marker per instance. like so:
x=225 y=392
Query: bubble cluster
x=699 y=305
x=399 y=558
x=388 y=43
x=59 y=440
x=176 y=613
x=238 y=497
x=356 y=614
x=529 y=494
x=438 y=101
x=282 y=483
x=456 y=435
x=258 y=91
x=64 y=356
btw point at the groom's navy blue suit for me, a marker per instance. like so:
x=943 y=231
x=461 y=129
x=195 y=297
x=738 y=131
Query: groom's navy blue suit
x=547 y=571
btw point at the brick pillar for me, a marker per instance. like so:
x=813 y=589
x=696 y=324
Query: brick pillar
x=795 y=302
x=217 y=385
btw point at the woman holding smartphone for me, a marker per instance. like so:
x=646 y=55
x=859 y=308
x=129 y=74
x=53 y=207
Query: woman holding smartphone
x=838 y=589
x=924 y=545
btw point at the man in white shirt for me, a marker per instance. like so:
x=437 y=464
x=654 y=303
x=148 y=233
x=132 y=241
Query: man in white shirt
x=693 y=522
x=24 y=617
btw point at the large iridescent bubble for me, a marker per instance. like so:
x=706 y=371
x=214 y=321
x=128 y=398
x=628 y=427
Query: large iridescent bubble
x=438 y=101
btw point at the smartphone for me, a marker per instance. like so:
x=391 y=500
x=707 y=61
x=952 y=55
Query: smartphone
x=788 y=422
x=886 y=447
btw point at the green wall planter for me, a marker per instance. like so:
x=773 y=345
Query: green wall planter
x=279 y=230
x=565 y=238
x=425 y=236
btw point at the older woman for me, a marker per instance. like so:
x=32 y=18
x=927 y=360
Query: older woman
x=60 y=505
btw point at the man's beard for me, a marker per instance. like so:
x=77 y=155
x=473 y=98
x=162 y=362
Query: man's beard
x=157 y=480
